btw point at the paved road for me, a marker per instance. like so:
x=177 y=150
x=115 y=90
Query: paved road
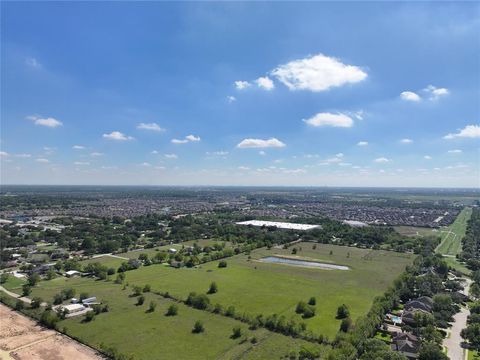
x=454 y=341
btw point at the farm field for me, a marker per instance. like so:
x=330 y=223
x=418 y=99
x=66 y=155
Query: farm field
x=172 y=332
x=255 y=287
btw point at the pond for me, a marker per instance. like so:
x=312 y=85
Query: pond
x=303 y=263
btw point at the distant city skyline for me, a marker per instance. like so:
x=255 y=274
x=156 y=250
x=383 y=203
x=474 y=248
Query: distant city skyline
x=271 y=94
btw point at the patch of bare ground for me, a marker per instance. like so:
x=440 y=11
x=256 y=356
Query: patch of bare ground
x=21 y=339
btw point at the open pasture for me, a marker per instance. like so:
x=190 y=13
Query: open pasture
x=256 y=287
x=132 y=329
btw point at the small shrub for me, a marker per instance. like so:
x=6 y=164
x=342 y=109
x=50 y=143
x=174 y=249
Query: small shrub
x=19 y=305
x=198 y=327
x=140 y=300
x=36 y=302
x=230 y=311
x=213 y=288
x=222 y=264
x=89 y=316
x=172 y=310
x=237 y=332
x=346 y=324
x=152 y=306
x=137 y=290
x=146 y=288
x=343 y=312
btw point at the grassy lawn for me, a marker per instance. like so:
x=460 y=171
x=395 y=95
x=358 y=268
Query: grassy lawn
x=452 y=235
x=14 y=284
x=384 y=336
x=133 y=330
x=473 y=355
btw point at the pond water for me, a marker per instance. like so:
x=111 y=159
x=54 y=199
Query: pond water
x=304 y=263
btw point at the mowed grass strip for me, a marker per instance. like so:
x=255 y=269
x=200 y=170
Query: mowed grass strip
x=133 y=330
x=452 y=235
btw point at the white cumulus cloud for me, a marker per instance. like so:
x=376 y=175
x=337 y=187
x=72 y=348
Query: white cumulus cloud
x=329 y=119
x=231 y=99
x=117 y=135
x=48 y=122
x=186 y=139
x=469 y=131
x=42 y=160
x=435 y=93
x=362 y=143
x=410 y=96
x=240 y=85
x=171 y=156
x=317 y=73
x=427 y=157
x=192 y=138
x=260 y=143
x=150 y=127
x=81 y=163
x=382 y=160
x=78 y=147
x=406 y=141
x=455 y=151
x=32 y=62
x=265 y=83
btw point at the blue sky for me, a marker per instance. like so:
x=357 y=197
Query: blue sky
x=318 y=94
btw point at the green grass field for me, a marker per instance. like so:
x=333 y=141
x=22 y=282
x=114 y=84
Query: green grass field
x=255 y=287
x=416 y=231
x=452 y=235
x=133 y=330
x=14 y=284
x=151 y=252
x=108 y=261
x=473 y=355
x=451 y=244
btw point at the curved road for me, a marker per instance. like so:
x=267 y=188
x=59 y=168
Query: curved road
x=454 y=341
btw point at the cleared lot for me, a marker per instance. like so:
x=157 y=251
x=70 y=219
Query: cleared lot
x=22 y=339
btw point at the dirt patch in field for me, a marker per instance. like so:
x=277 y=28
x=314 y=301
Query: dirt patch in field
x=21 y=339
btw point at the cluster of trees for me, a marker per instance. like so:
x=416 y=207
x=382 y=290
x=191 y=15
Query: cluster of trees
x=357 y=342
x=369 y=236
x=306 y=310
x=472 y=332
x=63 y=295
x=471 y=241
